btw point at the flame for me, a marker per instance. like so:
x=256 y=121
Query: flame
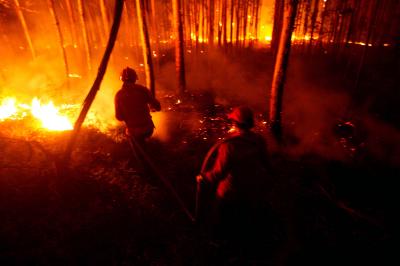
x=7 y=108
x=48 y=114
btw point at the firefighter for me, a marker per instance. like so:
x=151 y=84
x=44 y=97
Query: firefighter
x=239 y=174
x=133 y=104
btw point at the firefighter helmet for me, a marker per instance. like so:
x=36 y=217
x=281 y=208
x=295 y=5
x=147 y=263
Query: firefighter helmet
x=128 y=74
x=242 y=116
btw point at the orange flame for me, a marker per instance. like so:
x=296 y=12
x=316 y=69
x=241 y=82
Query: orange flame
x=48 y=114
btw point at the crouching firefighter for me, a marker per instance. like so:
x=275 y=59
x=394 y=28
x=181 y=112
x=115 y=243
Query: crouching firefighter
x=133 y=104
x=237 y=169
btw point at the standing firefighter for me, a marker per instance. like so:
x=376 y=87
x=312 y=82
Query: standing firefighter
x=133 y=103
x=239 y=175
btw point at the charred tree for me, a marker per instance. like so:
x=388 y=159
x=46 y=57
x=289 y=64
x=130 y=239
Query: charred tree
x=371 y=28
x=257 y=17
x=211 y=22
x=119 y=4
x=144 y=33
x=321 y=32
x=281 y=64
x=306 y=20
x=231 y=24
x=60 y=39
x=25 y=28
x=238 y=18
x=196 y=23
x=179 y=46
x=104 y=17
x=278 y=22
x=224 y=21
x=245 y=20
x=82 y=17
x=313 y=24
x=155 y=27
x=72 y=23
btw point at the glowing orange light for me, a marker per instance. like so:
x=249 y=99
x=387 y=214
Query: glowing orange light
x=49 y=116
x=7 y=108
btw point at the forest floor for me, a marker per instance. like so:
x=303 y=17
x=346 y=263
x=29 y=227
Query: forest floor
x=332 y=202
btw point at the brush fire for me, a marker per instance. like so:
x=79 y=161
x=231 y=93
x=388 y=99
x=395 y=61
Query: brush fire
x=199 y=132
x=47 y=116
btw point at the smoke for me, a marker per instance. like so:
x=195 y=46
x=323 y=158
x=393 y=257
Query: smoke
x=315 y=100
x=226 y=76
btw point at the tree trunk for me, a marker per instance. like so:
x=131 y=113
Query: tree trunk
x=72 y=24
x=60 y=39
x=211 y=22
x=119 y=4
x=245 y=20
x=224 y=21
x=306 y=19
x=197 y=23
x=82 y=16
x=257 y=17
x=144 y=34
x=155 y=27
x=104 y=17
x=278 y=22
x=313 y=24
x=238 y=18
x=281 y=64
x=371 y=28
x=231 y=24
x=25 y=28
x=179 y=47
x=321 y=32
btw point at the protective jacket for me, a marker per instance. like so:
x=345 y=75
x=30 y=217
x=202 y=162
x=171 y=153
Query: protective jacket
x=132 y=103
x=239 y=170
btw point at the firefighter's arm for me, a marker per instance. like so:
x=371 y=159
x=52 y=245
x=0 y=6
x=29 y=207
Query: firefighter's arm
x=155 y=105
x=221 y=165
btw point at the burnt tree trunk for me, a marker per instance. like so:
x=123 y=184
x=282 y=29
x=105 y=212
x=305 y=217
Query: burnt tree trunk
x=277 y=28
x=104 y=17
x=144 y=33
x=211 y=22
x=179 y=47
x=60 y=39
x=82 y=17
x=306 y=21
x=224 y=21
x=72 y=23
x=281 y=64
x=313 y=24
x=119 y=4
x=257 y=17
x=371 y=27
x=25 y=28
x=231 y=24
x=238 y=18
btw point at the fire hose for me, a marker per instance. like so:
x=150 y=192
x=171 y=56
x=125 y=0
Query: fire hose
x=138 y=150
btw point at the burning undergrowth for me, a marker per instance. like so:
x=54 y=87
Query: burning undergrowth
x=106 y=211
